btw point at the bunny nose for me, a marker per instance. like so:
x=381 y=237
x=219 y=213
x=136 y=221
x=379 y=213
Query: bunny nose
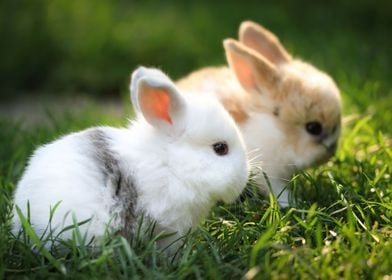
x=332 y=148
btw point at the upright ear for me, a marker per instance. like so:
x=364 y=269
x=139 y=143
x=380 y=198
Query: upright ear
x=264 y=42
x=155 y=96
x=253 y=71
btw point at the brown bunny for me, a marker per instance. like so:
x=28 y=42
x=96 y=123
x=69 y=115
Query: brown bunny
x=288 y=111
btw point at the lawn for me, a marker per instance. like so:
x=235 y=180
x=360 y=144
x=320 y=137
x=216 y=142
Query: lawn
x=342 y=226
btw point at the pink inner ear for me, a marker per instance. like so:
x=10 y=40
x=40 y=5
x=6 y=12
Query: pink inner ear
x=243 y=72
x=157 y=104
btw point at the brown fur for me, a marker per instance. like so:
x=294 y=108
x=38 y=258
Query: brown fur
x=245 y=63
x=236 y=109
x=270 y=81
x=272 y=97
x=263 y=41
x=298 y=103
x=233 y=99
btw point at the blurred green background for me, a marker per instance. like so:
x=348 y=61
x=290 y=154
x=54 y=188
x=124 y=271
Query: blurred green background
x=92 y=46
x=69 y=51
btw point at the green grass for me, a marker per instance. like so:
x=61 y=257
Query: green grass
x=342 y=227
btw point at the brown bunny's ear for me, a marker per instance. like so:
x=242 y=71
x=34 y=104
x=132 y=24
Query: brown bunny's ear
x=264 y=42
x=253 y=71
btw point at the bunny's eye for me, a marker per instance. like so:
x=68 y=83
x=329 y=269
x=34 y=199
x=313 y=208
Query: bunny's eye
x=221 y=148
x=314 y=128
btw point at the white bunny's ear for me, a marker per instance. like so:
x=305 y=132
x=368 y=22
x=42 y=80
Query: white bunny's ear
x=139 y=73
x=253 y=71
x=155 y=96
x=264 y=42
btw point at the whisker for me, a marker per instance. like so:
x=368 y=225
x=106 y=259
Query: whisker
x=255 y=157
x=255 y=160
x=259 y=174
x=279 y=164
x=256 y=150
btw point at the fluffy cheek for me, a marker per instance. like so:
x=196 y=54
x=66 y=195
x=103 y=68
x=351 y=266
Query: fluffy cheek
x=311 y=154
x=234 y=172
x=211 y=176
x=224 y=179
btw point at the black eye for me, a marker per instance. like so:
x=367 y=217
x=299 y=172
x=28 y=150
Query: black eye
x=221 y=148
x=314 y=128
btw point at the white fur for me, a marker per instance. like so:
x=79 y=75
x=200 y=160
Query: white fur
x=268 y=154
x=60 y=172
x=177 y=175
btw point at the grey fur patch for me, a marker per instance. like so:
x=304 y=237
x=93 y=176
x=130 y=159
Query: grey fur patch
x=114 y=177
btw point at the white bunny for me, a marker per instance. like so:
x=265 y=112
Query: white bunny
x=176 y=160
x=288 y=111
